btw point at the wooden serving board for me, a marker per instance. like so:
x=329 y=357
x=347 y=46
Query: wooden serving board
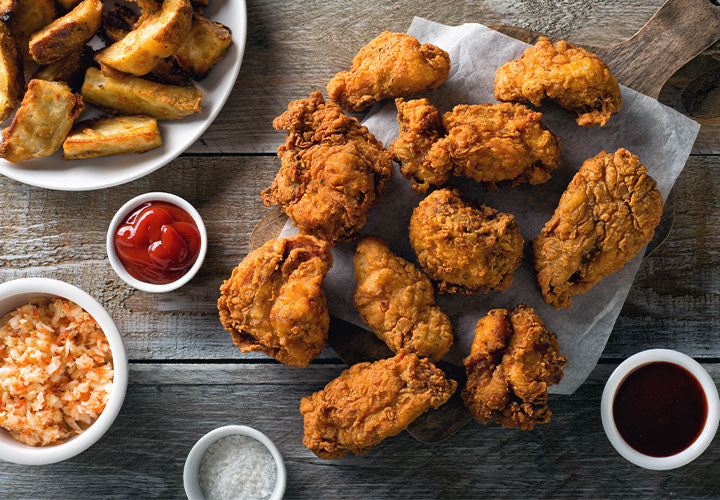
x=678 y=32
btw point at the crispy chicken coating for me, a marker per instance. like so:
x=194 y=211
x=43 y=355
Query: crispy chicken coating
x=606 y=215
x=397 y=301
x=571 y=76
x=274 y=301
x=463 y=246
x=333 y=170
x=512 y=362
x=369 y=402
x=493 y=143
x=391 y=65
x=420 y=127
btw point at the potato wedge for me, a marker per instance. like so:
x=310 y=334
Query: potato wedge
x=12 y=79
x=137 y=96
x=112 y=136
x=206 y=45
x=67 y=33
x=25 y=17
x=42 y=123
x=70 y=69
x=116 y=24
x=157 y=37
x=68 y=4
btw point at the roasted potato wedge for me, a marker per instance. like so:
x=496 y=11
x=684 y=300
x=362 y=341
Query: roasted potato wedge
x=70 y=69
x=116 y=24
x=25 y=17
x=137 y=96
x=42 y=123
x=12 y=79
x=67 y=33
x=157 y=37
x=206 y=45
x=68 y=4
x=112 y=136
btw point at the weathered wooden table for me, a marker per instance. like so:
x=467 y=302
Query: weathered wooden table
x=187 y=378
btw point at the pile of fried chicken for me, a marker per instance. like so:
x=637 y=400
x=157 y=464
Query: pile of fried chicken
x=332 y=173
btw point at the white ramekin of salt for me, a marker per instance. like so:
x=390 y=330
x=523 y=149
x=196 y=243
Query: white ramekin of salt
x=233 y=462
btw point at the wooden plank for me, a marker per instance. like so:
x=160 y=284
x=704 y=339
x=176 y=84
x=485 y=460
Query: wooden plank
x=292 y=50
x=673 y=303
x=169 y=406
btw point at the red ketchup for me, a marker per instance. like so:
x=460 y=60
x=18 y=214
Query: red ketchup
x=158 y=242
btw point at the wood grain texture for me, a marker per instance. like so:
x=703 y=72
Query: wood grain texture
x=673 y=303
x=169 y=406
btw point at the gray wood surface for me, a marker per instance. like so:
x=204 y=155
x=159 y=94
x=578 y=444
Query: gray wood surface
x=187 y=378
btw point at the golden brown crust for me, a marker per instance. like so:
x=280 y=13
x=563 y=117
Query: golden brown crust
x=44 y=119
x=137 y=96
x=66 y=34
x=494 y=143
x=606 y=215
x=397 y=301
x=158 y=36
x=204 y=47
x=369 y=402
x=512 y=362
x=391 y=65
x=12 y=78
x=333 y=170
x=465 y=248
x=420 y=127
x=274 y=301
x=70 y=69
x=112 y=136
x=571 y=76
x=25 y=17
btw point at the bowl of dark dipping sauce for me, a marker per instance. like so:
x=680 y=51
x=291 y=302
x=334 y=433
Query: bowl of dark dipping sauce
x=660 y=409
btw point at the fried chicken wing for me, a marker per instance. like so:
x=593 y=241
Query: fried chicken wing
x=391 y=65
x=333 y=170
x=571 y=76
x=512 y=362
x=397 y=301
x=274 y=301
x=420 y=127
x=466 y=248
x=606 y=215
x=369 y=402
x=493 y=143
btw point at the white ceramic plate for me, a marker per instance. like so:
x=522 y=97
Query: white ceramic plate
x=52 y=172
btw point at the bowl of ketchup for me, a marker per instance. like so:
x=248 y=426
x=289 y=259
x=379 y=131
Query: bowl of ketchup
x=157 y=242
x=660 y=409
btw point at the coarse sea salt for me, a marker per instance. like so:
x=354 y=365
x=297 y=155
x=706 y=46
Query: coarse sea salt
x=237 y=467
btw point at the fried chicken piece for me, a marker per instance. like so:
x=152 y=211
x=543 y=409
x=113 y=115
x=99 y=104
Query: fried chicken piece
x=571 y=76
x=369 y=402
x=512 y=362
x=397 y=301
x=420 y=127
x=391 y=65
x=333 y=170
x=492 y=143
x=606 y=215
x=274 y=301
x=466 y=248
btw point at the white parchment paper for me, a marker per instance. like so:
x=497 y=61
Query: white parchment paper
x=660 y=136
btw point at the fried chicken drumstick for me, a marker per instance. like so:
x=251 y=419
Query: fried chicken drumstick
x=333 y=170
x=397 y=301
x=391 y=65
x=274 y=301
x=369 y=402
x=463 y=246
x=606 y=215
x=512 y=362
x=571 y=76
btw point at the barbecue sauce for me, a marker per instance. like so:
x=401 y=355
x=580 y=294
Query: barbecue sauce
x=660 y=409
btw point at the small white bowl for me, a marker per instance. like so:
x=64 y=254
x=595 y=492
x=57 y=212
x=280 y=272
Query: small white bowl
x=711 y=423
x=14 y=294
x=192 y=463
x=120 y=216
